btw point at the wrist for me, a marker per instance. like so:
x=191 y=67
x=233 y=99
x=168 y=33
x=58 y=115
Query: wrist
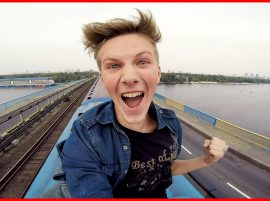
x=205 y=160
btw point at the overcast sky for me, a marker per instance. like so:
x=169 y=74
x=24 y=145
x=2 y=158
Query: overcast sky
x=208 y=38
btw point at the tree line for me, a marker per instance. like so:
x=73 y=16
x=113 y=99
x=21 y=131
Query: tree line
x=58 y=77
x=61 y=77
x=188 y=77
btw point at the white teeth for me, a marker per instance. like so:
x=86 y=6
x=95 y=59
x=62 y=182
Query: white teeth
x=132 y=95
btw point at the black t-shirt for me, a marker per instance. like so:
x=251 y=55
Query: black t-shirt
x=149 y=173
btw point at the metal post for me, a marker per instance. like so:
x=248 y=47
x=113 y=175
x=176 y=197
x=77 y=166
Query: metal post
x=38 y=109
x=21 y=117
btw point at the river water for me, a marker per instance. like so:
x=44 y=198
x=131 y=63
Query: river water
x=9 y=93
x=245 y=105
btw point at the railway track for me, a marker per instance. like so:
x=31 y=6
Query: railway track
x=20 y=130
x=26 y=121
x=18 y=178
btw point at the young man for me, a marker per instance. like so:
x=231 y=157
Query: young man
x=127 y=147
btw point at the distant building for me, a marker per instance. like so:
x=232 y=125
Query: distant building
x=27 y=82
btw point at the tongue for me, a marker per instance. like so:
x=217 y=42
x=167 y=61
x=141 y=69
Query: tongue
x=133 y=102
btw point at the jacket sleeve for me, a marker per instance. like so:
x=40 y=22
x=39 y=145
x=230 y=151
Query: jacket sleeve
x=82 y=167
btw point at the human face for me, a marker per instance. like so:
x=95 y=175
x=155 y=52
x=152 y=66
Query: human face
x=130 y=74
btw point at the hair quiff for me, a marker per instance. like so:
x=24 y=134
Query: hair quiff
x=97 y=33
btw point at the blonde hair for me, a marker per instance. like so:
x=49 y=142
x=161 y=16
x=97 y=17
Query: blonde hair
x=97 y=33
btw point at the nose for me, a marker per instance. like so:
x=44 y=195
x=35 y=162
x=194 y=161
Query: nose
x=129 y=75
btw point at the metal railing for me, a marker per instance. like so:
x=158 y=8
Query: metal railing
x=29 y=96
x=9 y=122
x=241 y=133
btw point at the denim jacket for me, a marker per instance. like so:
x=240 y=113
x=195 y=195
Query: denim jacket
x=97 y=154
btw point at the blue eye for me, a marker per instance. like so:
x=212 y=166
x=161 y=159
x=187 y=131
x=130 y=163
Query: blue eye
x=113 y=66
x=142 y=62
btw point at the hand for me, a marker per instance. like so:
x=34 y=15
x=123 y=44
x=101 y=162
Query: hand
x=214 y=150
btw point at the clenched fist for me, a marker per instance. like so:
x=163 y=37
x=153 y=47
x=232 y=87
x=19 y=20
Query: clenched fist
x=214 y=150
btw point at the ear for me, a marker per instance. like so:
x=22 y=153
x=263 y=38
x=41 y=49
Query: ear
x=159 y=74
x=102 y=80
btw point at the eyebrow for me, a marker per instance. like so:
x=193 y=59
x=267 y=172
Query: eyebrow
x=110 y=59
x=144 y=52
x=137 y=55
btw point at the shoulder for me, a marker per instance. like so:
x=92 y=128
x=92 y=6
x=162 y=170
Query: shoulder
x=168 y=117
x=86 y=129
x=96 y=114
x=171 y=120
x=166 y=113
x=163 y=114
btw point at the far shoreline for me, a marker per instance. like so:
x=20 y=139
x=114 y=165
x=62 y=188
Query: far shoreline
x=207 y=82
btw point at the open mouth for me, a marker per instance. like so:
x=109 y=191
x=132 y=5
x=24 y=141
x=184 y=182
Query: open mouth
x=132 y=99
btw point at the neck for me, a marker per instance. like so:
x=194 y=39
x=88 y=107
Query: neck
x=146 y=126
